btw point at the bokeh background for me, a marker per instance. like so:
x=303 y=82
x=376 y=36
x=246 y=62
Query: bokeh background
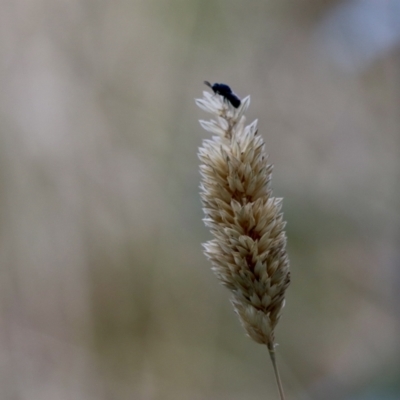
x=104 y=290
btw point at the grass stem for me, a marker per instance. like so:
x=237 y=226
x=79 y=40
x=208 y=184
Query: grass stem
x=276 y=371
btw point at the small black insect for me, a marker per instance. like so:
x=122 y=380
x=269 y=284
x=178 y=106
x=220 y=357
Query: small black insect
x=226 y=92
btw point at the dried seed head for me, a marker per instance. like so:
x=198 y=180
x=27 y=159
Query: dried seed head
x=248 y=252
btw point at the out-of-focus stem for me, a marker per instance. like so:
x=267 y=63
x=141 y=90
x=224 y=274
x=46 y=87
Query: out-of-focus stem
x=276 y=371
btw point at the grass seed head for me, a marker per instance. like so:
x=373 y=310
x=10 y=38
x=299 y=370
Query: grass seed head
x=248 y=251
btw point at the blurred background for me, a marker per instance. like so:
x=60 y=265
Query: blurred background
x=104 y=290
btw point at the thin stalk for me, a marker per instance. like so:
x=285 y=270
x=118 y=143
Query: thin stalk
x=276 y=371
